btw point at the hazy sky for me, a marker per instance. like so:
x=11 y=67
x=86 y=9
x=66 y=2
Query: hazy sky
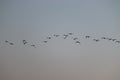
x=59 y=59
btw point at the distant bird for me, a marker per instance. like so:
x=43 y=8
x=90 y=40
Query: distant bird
x=33 y=45
x=7 y=41
x=70 y=33
x=56 y=35
x=110 y=39
x=96 y=40
x=24 y=42
x=87 y=36
x=77 y=42
x=103 y=37
x=45 y=41
x=65 y=36
x=11 y=43
x=117 y=41
x=75 y=38
x=49 y=37
x=114 y=39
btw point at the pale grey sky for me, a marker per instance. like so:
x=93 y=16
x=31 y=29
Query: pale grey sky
x=59 y=59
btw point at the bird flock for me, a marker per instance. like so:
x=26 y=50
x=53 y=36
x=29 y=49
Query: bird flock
x=65 y=36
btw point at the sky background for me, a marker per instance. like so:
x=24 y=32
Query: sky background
x=59 y=59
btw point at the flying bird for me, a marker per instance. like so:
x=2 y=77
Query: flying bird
x=114 y=39
x=56 y=35
x=110 y=39
x=7 y=41
x=117 y=41
x=96 y=40
x=103 y=37
x=33 y=45
x=77 y=42
x=49 y=37
x=24 y=42
x=70 y=33
x=65 y=36
x=75 y=38
x=45 y=41
x=11 y=43
x=87 y=36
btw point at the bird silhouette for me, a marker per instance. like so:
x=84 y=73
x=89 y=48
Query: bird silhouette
x=45 y=41
x=24 y=42
x=70 y=33
x=6 y=41
x=96 y=40
x=56 y=35
x=114 y=39
x=65 y=36
x=33 y=45
x=49 y=37
x=110 y=39
x=87 y=36
x=11 y=43
x=75 y=38
x=117 y=41
x=103 y=37
x=77 y=42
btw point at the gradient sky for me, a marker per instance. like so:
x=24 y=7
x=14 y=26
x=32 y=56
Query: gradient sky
x=59 y=59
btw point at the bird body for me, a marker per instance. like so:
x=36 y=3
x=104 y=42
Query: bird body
x=45 y=41
x=7 y=41
x=48 y=37
x=87 y=36
x=56 y=35
x=77 y=42
x=103 y=37
x=75 y=38
x=117 y=41
x=96 y=40
x=24 y=42
x=114 y=39
x=65 y=36
x=33 y=45
x=110 y=39
x=11 y=43
x=70 y=33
